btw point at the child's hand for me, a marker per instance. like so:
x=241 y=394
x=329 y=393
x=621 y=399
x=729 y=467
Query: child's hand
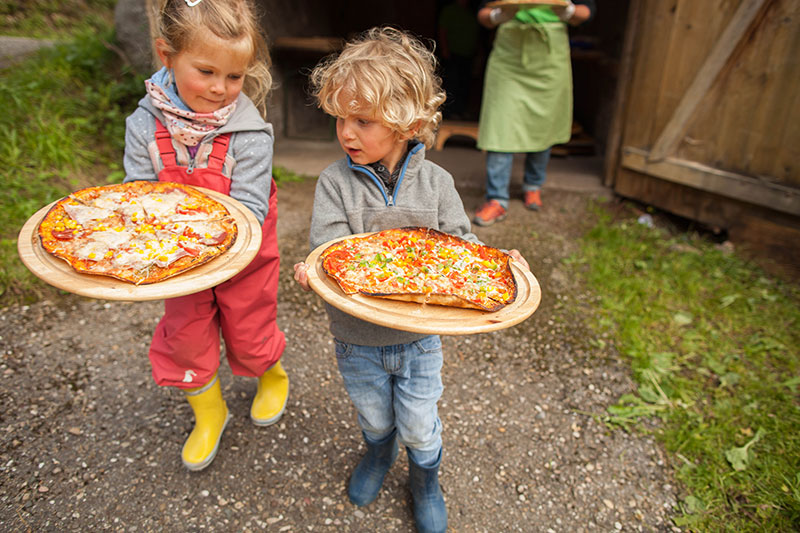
x=301 y=276
x=518 y=258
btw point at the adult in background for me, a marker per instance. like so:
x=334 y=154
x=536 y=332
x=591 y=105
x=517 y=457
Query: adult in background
x=527 y=97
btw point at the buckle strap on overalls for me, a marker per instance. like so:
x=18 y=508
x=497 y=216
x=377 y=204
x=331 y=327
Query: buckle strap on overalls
x=167 y=152
x=164 y=144
x=218 y=151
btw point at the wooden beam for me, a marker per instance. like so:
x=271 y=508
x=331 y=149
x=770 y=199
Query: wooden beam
x=738 y=186
x=448 y=128
x=668 y=141
x=618 y=115
x=322 y=45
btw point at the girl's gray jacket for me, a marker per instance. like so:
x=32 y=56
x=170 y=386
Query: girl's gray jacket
x=351 y=199
x=249 y=158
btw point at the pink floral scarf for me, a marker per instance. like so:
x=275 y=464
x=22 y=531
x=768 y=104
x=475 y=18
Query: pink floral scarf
x=184 y=125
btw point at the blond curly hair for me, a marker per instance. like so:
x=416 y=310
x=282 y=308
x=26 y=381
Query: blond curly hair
x=178 y=24
x=387 y=75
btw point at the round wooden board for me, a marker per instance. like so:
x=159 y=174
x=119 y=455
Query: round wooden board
x=58 y=273
x=526 y=3
x=425 y=318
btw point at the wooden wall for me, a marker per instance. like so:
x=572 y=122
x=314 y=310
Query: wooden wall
x=707 y=122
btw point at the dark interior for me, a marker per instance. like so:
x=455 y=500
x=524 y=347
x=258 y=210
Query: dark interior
x=302 y=32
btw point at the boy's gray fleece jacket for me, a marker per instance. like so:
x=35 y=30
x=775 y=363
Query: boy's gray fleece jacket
x=249 y=152
x=350 y=199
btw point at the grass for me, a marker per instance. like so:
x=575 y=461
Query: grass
x=54 y=19
x=64 y=119
x=714 y=346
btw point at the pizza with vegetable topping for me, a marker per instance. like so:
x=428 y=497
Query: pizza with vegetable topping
x=422 y=265
x=141 y=232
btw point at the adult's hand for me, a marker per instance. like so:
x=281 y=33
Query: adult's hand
x=491 y=17
x=565 y=12
x=573 y=14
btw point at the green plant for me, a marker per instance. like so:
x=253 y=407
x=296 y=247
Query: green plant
x=64 y=120
x=54 y=19
x=714 y=345
x=284 y=175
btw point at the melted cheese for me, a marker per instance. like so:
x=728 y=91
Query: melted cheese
x=134 y=259
x=144 y=253
x=188 y=217
x=92 y=251
x=109 y=200
x=112 y=238
x=133 y=212
x=85 y=215
x=207 y=232
x=162 y=205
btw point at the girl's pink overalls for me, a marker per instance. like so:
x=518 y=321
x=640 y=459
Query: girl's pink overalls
x=185 y=351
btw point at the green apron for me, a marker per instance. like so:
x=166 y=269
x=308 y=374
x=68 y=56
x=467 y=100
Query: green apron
x=527 y=95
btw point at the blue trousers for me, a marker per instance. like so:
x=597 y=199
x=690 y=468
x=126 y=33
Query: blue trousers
x=498 y=173
x=397 y=386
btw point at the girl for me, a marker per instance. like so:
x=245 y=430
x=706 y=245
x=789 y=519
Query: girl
x=385 y=96
x=197 y=126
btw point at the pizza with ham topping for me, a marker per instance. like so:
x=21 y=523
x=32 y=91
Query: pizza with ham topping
x=422 y=265
x=141 y=232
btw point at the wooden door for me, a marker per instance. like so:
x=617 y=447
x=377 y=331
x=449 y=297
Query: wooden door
x=707 y=120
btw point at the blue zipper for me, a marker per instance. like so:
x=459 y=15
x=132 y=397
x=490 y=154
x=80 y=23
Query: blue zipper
x=372 y=176
x=368 y=171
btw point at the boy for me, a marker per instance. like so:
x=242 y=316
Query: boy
x=385 y=96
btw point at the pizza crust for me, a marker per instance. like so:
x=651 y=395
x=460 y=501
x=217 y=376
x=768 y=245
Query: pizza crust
x=447 y=300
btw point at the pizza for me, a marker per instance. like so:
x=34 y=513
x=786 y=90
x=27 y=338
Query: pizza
x=422 y=265
x=140 y=232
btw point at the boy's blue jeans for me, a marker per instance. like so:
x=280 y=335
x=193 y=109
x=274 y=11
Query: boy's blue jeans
x=397 y=387
x=498 y=173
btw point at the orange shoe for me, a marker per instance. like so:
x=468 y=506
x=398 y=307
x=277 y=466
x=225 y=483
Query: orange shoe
x=489 y=213
x=533 y=200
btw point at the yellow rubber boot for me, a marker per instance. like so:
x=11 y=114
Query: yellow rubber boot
x=210 y=418
x=271 y=397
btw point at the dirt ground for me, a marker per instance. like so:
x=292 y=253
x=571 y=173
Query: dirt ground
x=89 y=443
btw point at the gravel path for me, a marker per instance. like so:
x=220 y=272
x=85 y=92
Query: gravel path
x=89 y=442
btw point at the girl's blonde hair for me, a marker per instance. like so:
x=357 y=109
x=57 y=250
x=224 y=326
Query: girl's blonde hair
x=385 y=74
x=178 y=24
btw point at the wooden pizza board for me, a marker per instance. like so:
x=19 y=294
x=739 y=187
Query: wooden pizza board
x=526 y=3
x=59 y=273
x=425 y=318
